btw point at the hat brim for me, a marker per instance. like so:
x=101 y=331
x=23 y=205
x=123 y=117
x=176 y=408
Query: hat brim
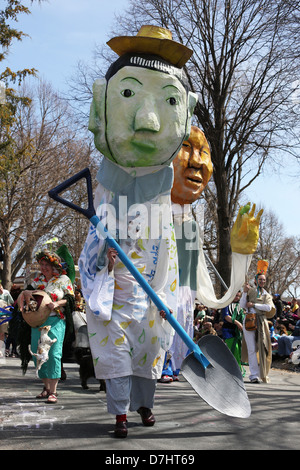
x=173 y=52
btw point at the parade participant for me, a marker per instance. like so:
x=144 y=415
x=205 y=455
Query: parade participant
x=258 y=301
x=232 y=329
x=54 y=281
x=192 y=172
x=140 y=116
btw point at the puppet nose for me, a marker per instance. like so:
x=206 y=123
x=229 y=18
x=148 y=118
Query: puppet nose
x=146 y=118
x=195 y=159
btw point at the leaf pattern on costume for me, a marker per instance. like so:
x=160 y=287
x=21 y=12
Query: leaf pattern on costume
x=119 y=341
x=153 y=339
x=106 y=322
x=142 y=337
x=156 y=361
x=92 y=334
x=134 y=255
x=151 y=323
x=143 y=360
x=117 y=307
x=103 y=342
x=173 y=286
x=96 y=360
x=117 y=286
x=119 y=265
x=125 y=324
x=140 y=244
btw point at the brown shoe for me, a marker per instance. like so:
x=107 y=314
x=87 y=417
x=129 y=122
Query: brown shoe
x=44 y=393
x=121 y=429
x=147 y=416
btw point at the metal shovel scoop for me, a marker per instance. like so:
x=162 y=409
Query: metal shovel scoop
x=209 y=373
x=221 y=383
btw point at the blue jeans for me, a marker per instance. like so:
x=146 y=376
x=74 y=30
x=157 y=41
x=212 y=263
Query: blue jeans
x=285 y=344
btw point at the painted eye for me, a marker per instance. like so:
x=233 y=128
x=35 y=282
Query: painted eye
x=186 y=144
x=127 y=93
x=172 y=101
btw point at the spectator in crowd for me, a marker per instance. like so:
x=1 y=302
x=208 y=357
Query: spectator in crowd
x=295 y=309
x=199 y=311
x=278 y=305
x=285 y=342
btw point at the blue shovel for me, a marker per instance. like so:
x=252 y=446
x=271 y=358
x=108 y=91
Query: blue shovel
x=212 y=371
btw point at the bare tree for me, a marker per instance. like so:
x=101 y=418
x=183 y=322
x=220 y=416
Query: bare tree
x=44 y=151
x=282 y=253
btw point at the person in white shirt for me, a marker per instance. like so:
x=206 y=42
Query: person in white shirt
x=257 y=300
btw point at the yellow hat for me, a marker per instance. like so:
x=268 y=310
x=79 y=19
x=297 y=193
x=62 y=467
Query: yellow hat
x=152 y=40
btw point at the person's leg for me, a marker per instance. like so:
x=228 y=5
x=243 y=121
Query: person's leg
x=142 y=398
x=249 y=337
x=287 y=347
x=118 y=401
x=50 y=371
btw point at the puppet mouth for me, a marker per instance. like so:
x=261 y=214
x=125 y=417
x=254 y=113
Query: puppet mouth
x=194 y=180
x=144 y=146
x=193 y=177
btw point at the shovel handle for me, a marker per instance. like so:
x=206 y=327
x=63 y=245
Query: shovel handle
x=94 y=219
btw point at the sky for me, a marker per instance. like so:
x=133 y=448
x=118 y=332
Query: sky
x=64 y=32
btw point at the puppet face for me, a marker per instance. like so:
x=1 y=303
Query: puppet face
x=192 y=168
x=147 y=117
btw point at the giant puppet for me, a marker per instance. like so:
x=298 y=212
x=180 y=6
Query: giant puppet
x=192 y=172
x=140 y=116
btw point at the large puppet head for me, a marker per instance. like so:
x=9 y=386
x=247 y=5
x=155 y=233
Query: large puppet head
x=141 y=112
x=192 y=168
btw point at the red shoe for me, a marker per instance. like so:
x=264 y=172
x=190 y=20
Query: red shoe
x=121 y=429
x=121 y=426
x=165 y=379
x=147 y=416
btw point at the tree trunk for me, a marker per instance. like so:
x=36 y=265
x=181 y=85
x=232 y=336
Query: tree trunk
x=6 y=271
x=224 y=228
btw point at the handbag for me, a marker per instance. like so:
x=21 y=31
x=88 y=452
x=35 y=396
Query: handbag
x=250 y=322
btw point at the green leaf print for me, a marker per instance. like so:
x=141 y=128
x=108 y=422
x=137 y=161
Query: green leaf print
x=142 y=338
x=143 y=360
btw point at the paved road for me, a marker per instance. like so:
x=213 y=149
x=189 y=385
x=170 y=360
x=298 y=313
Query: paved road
x=184 y=422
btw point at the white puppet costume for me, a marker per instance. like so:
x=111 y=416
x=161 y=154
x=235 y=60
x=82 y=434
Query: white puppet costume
x=126 y=333
x=194 y=277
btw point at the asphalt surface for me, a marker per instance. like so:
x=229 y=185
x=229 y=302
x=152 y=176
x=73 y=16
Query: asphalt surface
x=185 y=424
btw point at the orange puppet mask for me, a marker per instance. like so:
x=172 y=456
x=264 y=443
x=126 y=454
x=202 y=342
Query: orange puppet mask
x=192 y=168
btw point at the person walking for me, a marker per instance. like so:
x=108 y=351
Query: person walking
x=258 y=301
x=53 y=280
x=232 y=328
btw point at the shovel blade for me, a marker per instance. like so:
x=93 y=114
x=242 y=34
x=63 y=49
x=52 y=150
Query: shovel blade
x=221 y=383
